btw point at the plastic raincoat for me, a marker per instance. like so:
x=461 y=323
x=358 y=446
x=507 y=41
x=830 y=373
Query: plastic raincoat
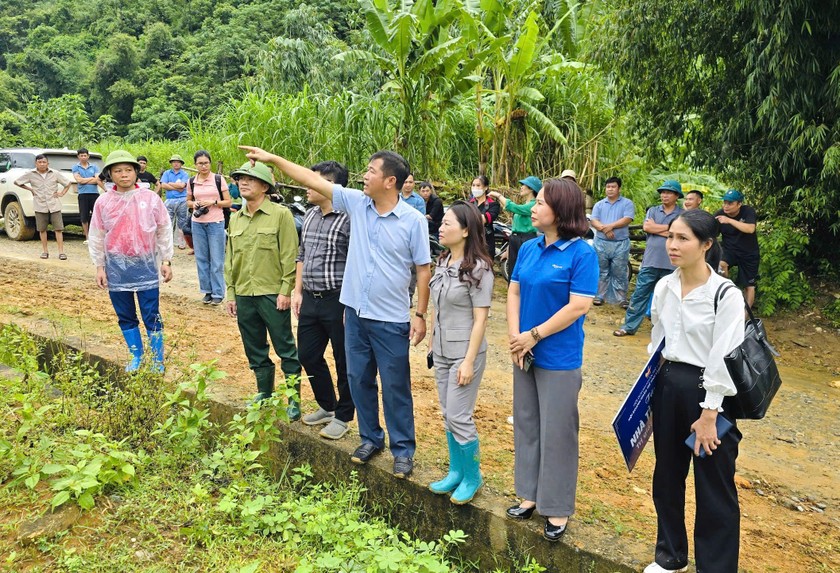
x=130 y=233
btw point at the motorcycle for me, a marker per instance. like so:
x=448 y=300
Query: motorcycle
x=296 y=206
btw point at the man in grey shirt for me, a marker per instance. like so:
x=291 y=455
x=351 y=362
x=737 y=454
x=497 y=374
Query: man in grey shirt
x=655 y=263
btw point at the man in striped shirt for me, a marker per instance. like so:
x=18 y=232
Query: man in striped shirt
x=324 y=241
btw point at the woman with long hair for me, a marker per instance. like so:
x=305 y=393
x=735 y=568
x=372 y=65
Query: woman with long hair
x=462 y=288
x=688 y=396
x=551 y=290
x=488 y=207
x=208 y=196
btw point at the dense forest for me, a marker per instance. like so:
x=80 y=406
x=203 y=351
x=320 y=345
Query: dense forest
x=712 y=92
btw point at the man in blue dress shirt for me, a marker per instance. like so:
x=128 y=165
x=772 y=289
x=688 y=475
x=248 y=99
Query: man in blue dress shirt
x=388 y=237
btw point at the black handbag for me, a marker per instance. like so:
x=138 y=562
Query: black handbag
x=752 y=367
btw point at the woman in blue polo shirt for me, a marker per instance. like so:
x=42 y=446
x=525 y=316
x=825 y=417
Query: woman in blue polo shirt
x=551 y=290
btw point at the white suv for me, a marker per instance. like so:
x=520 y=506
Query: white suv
x=16 y=204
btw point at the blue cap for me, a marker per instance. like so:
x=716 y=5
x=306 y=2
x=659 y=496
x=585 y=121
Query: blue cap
x=671 y=185
x=733 y=195
x=533 y=183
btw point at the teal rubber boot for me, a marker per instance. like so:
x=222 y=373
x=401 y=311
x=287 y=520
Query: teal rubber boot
x=472 y=474
x=134 y=340
x=293 y=411
x=156 y=346
x=265 y=383
x=456 y=470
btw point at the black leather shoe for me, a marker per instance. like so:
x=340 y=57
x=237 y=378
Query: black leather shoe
x=517 y=512
x=403 y=467
x=554 y=532
x=364 y=453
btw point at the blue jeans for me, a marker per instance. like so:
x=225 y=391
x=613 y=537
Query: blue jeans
x=371 y=345
x=178 y=213
x=613 y=257
x=123 y=302
x=645 y=282
x=209 y=245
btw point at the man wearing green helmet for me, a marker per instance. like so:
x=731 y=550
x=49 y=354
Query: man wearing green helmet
x=130 y=242
x=260 y=275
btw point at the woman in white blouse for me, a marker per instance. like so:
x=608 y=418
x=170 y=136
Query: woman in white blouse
x=689 y=396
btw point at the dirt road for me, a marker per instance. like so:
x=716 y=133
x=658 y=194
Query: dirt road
x=788 y=470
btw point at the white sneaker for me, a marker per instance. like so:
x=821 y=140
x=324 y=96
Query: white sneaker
x=85 y=242
x=655 y=568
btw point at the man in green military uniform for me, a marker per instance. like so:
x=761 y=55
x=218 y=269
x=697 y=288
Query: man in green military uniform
x=260 y=275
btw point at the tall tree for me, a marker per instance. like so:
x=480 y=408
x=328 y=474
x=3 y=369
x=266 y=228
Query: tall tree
x=752 y=86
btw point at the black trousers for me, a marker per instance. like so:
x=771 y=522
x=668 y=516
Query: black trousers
x=321 y=320
x=676 y=406
x=516 y=241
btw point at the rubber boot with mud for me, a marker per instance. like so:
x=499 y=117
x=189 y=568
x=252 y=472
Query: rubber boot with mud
x=472 y=474
x=456 y=472
x=265 y=383
x=293 y=410
x=134 y=340
x=156 y=346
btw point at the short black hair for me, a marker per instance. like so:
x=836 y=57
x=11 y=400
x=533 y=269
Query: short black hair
x=82 y=150
x=142 y=158
x=696 y=191
x=616 y=180
x=40 y=156
x=393 y=165
x=334 y=170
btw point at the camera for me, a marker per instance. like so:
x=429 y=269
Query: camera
x=200 y=211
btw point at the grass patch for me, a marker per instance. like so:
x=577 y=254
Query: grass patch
x=162 y=488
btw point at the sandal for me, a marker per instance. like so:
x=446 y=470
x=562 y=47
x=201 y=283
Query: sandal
x=62 y=257
x=45 y=255
x=621 y=332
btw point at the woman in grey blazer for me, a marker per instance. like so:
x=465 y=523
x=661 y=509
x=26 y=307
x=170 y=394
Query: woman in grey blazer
x=462 y=288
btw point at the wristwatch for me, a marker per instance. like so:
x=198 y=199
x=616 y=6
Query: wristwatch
x=167 y=263
x=421 y=315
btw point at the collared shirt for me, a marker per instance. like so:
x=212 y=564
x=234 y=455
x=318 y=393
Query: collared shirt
x=324 y=241
x=382 y=250
x=656 y=256
x=454 y=302
x=261 y=249
x=547 y=277
x=695 y=334
x=415 y=201
x=169 y=176
x=90 y=171
x=44 y=188
x=607 y=213
x=521 y=216
x=734 y=241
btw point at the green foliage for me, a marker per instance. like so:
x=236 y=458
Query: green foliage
x=831 y=311
x=251 y=520
x=88 y=468
x=186 y=427
x=782 y=284
x=751 y=87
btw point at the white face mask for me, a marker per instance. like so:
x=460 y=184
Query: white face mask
x=477 y=191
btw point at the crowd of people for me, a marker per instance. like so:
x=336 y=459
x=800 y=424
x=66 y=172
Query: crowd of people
x=350 y=279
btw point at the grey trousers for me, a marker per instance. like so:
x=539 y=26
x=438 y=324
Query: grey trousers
x=458 y=402
x=545 y=438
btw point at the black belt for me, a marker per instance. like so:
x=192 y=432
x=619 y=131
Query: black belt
x=322 y=293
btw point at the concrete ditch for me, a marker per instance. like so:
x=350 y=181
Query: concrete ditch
x=493 y=540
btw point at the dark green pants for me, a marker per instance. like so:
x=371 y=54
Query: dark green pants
x=258 y=315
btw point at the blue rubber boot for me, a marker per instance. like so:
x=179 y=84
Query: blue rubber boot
x=456 y=472
x=156 y=345
x=472 y=474
x=134 y=340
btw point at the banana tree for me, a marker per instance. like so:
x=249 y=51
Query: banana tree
x=423 y=59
